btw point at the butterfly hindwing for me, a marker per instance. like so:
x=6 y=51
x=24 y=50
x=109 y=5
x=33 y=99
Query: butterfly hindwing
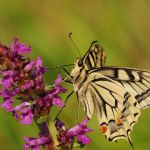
x=116 y=109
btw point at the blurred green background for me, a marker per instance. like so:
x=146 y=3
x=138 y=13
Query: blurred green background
x=122 y=28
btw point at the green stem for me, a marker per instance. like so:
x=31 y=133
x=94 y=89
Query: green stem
x=52 y=132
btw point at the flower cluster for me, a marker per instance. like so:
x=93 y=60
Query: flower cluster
x=45 y=140
x=22 y=79
x=28 y=98
x=66 y=137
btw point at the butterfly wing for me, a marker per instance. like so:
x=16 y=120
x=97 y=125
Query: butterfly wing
x=136 y=82
x=95 y=57
x=117 y=110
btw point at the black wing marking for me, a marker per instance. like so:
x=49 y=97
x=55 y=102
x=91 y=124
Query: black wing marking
x=95 y=57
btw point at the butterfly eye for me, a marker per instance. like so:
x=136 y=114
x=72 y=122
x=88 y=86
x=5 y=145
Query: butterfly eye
x=80 y=63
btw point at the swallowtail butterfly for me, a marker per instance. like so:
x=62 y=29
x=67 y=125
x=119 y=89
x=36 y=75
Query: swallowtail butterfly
x=117 y=94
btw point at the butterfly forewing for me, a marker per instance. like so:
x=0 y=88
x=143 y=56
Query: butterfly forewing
x=95 y=57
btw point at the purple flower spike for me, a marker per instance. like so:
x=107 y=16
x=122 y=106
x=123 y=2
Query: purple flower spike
x=19 y=48
x=26 y=95
x=7 y=79
x=53 y=94
x=7 y=82
x=39 y=70
x=8 y=98
x=66 y=137
x=26 y=115
x=29 y=66
x=58 y=80
x=83 y=139
x=28 y=85
x=58 y=102
x=38 y=65
x=7 y=104
x=35 y=143
x=57 y=87
x=79 y=131
x=9 y=73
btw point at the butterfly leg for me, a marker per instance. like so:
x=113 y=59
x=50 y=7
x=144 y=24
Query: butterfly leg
x=68 y=75
x=66 y=71
x=66 y=80
x=69 y=95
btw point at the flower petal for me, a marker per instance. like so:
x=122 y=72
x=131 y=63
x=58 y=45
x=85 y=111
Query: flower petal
x=58 y=80
x=28 y=85
x=35 y=143
x=19 y=48
x=7 y=82
x=29 y=66
x=83 y=139
x=58 y=102
x=26 y=116
x=7 y=104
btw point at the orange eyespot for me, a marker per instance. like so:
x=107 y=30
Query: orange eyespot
x=118 y=121
x=103 y=129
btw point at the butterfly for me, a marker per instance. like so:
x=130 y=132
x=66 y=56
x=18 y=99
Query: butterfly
x=117 y=94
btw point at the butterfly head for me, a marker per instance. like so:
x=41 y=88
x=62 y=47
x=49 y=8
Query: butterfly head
x=78 y=67
x=79 y=64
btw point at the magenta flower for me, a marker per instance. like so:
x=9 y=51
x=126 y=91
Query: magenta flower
x=58 y=81
x=35 y=143
x=37 y=66
x=7 y=104
x=58 y=102
x=79 y=131
x=29 y=66
x=8 y=98
x=66 y=137
x=44 y=140
x=39 y=70
x=26 y=116
x=9 y=73
x=28 y=85
x=20 y=76
x=38 y=81
x=24 y=112
x=7 y=79
x=53 y=94
x=19 y=48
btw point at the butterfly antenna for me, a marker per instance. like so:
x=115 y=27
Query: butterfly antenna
x=70 y=37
